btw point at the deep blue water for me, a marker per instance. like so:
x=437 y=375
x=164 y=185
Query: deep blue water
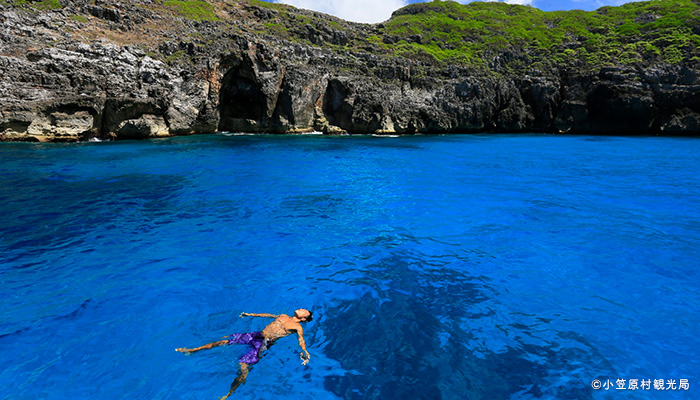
x=442 y=267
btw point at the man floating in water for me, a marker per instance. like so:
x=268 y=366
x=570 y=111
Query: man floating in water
x=282 y=326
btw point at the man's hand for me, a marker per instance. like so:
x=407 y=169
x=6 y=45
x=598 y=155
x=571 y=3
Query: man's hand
x=305 y=357
x=244 y=314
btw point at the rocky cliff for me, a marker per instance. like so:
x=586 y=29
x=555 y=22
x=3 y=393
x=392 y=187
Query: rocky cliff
x=76 y=69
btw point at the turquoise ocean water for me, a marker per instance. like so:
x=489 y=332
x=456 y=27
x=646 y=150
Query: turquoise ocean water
x=438 y=267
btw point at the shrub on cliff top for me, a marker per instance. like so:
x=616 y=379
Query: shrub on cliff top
x=195 y=10
x=452 y=32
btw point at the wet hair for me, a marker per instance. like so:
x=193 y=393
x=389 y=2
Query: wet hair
x=310 y=317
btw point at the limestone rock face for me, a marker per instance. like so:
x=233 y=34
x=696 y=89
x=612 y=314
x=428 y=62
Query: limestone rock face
x=147 y=126
x=61 y=126
x=66 y=80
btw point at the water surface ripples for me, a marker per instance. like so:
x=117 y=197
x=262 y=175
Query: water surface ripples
x=447 y=267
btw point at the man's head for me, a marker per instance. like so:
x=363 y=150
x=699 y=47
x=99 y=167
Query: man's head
x=303 y=315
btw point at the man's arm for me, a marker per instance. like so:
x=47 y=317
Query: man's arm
x=305 y=356
x=245 y=314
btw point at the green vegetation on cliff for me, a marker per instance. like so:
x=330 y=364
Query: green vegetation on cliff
x=486 y=35
x=195 y=10
x=643 y=32
x=514 y=37
x=38 y=4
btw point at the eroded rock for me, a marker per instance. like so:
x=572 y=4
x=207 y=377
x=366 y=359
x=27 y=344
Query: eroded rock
x=147 y=126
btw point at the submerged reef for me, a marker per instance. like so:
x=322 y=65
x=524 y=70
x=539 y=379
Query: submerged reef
x=422 y=333
x=75 y=70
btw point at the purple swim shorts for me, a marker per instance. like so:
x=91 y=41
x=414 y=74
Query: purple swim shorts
x=257 y=344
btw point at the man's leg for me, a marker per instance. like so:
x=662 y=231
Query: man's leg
x=240 y=379
x=205 y=347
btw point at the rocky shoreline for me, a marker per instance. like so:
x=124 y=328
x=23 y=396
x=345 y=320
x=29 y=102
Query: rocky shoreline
x=120 y=70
